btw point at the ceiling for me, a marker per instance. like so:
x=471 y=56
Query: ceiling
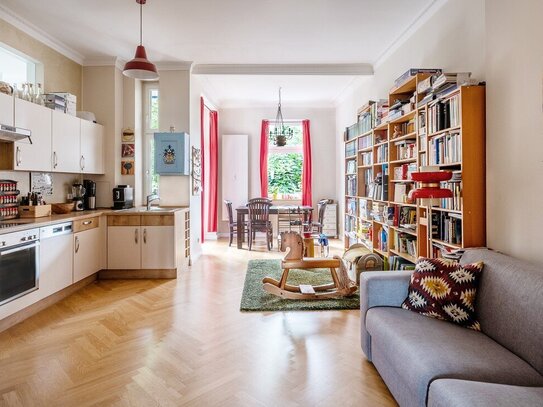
x=230 y=32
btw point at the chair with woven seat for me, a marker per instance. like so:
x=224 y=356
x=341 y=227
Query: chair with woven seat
x=316 y=227
x=259 y=220
x=232 y=224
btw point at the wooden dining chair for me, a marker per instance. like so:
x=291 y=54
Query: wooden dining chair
x=259 y=220
x=232 y=224
x=316 y=227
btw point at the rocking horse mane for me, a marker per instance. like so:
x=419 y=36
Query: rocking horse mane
x=293 y=244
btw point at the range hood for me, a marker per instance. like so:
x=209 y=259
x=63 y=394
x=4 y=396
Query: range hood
x=10 y=133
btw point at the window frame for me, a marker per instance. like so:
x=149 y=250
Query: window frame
x=148 y=136
x=34 y=68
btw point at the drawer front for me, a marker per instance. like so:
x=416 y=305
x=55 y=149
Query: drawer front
x=86 y=224
x=124 y=220
x=157 y=220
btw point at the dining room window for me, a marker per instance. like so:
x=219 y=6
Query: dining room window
x=151 y=125
x=285 y=166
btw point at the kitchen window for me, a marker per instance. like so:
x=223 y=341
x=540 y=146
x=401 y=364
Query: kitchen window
x=151 y=125
x=285 y=166
x=17 y=68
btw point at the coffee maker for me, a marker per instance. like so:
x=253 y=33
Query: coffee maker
x=123 y=197
x=90 y=194
x=78 y=195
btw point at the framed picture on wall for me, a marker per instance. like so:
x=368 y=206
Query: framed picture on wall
x=127 y=150
x=172 y=153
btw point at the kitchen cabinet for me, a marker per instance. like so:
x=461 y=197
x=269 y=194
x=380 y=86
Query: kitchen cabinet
x=87 y=248
x=66 y=142
x=158 y=247
x=123 y=248
x=92 y=148
x=56 y=264
x=35 y=156
x=6 y=109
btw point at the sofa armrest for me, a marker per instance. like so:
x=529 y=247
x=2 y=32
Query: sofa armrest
x=380 y=289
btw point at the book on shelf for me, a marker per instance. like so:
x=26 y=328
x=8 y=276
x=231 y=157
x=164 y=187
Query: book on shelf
x=406 y=149
x=351 y=132
x=405 y=217
x=378 y=211
x=351 y=207
x=446 y=149
x=403 y=172
x=382 y=238
x=381 y=153
x=399 y=263
x=455 y=185
x=456 y=78
x=447 y=227
x=402 y=129
x=401 y=192
x=350 y=167
x=365 y=122
x=351 y=185
x=350 y=149
x=444 y=114
x=365 y=142
x=366 y=158
x=364 y=209
x=412 y=72
x=406 y=244
x=379 y=112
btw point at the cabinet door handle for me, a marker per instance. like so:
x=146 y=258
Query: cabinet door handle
x=18 y=156
x=82 y=162
x=136 y=236
x=144 y=235
x=76 y=244
x=55 y=159
x=87 y=222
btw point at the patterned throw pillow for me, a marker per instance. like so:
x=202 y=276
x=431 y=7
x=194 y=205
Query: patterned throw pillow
x=445 y=290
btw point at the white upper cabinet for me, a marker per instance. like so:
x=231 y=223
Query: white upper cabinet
x=92 y=148
x=6 y=109
x=35 y=156
x=66 y=142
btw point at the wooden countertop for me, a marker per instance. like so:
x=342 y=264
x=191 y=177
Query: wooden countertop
x=15 y=225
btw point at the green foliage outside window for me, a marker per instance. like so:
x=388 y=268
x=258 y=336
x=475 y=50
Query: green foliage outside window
x=285 y=173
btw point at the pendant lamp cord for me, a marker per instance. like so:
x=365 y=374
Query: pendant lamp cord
x=141 y=23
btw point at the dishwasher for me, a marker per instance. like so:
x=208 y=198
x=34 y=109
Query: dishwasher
x=56 y=257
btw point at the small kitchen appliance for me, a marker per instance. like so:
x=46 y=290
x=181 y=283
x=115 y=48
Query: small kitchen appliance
x=78 y=195
x=123 y=197
x=90 y=194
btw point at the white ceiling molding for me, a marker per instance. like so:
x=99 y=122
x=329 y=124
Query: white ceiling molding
x=422 y=18
x=40 y=35
x=174 y=65
x=105 y=61
x=283 y=69
x=346 y=92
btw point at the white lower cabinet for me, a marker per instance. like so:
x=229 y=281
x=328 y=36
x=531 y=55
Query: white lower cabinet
x=158 y=248
x=87 y=253
x=56 y=264
x=123 y=247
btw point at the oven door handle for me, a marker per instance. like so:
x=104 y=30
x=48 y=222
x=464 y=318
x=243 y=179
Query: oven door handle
x=19 y=248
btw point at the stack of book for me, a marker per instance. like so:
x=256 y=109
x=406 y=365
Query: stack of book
x=406 y=243
x=401 y=192
x=378 y=211
x=380 y=112
x=379 y=187
x=381 y=154
x=399 y=263
x=364 y=142
x=364 y=209
x=406 y=149
x=403 y=172
x=351 y=206
x=351 y=185
x=412 y=72
x=350 y=149
x=444 y=114
x=455 y=185
x=447 y=227
x=365 y=122
x=351 y=167
x=366 y=158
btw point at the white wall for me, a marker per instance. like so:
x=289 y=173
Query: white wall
x=453 y=39
x=323 y=144
x=514 y=71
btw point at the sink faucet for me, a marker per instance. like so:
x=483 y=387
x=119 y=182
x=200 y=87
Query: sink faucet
x=151 y=198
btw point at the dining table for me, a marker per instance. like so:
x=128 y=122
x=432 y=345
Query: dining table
x=243 y=211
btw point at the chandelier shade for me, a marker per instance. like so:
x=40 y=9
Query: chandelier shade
x=280 y=133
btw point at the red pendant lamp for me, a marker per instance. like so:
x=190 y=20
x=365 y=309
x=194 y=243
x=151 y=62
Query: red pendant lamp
x=140 y=67
x=429 y=190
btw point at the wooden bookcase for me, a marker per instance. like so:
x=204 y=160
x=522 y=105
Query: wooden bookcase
x=405 y=143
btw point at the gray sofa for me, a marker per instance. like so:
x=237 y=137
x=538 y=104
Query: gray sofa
x=428 y=362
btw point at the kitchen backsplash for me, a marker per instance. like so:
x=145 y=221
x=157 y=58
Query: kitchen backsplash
x=61 y=184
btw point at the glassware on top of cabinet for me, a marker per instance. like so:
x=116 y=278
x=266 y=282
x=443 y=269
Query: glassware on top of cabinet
x=26 y=93
x=38 y=96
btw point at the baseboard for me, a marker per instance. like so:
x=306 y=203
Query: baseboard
x=46 y=302
x=137 y=274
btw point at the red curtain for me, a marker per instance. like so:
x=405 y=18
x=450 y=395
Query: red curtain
x=264 y=158
x=202 y=179
x=307 y=195
x=213 y=170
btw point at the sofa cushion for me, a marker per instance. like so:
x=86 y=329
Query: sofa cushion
x=509 y=303
x=463 y=393
x=446 y=290
x=422 y=349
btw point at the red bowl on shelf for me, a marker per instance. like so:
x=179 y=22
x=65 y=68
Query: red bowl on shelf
x=431 y=176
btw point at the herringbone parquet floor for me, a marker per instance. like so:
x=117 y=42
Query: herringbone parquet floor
x=184 y=343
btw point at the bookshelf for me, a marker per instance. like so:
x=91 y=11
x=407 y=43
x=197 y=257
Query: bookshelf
x=446 y=131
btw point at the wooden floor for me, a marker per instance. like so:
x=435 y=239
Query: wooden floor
x=184 y=343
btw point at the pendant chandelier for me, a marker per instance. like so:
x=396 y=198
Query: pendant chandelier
x=140 y=67
x=280 y=133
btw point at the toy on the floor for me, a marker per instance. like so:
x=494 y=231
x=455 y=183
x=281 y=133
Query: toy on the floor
x=293 y=244
x=361 y=259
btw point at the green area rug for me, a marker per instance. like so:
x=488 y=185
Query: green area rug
x=254 y=297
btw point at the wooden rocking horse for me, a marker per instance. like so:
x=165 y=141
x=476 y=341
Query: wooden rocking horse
x=293 y=244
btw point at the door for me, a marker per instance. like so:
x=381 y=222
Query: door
x=92 y=148
x=35 y=156
x=6 y=109
x=56 y=264
x=158 y=247
x=123 y=248
x=66 y=142
x=87 y=253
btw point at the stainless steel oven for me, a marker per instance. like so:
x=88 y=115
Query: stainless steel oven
x=19 y=264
